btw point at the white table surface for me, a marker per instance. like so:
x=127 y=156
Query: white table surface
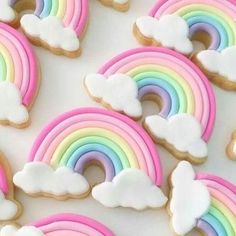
x=109 y=33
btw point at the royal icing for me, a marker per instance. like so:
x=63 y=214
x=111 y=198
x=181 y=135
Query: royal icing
x=202 y=201
x=9 y=208
x=216 y=18
x=60 y=182
x=170 y=31
x=11 y=107
x=19 y=77
x=10 y=230
x=52 y=31
x=179 y=85
x=130 y=188
x=190 y=199
x=222 y=63
x=172 y=129
x=7 y=14
x=115 y=91
x=61 y=224
x=79 y=137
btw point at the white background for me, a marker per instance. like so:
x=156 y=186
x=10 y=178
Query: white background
x=109 y=33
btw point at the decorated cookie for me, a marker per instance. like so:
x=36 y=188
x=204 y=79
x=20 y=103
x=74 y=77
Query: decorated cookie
x=120 y=5
x=231 y=148
x=59 y=225
x=19 y=77
x=201 y=201
x=173 y=82
x=10 y=209
x=86 y=136
x=56 y=25
x=205 y=30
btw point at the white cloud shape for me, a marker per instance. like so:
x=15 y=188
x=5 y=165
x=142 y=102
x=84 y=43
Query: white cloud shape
x=52 y=31
x=119 y=91
x=130 y=188
x=222 y=63
x=182 y=131
x=38 y=177
x=7 y=14
x=11 y=230
x=11 y=108
x=171 y=31
x=190 y=199
x=8 y=209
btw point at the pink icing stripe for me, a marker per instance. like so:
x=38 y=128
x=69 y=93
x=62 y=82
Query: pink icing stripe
x=170 y=7
x=28 y=97
x=12 y=46
x=62 y=226
x=225 y=183
x=224 y=199
x=69 y=12
x=107 y=68
x=3 y=181
x=76 y=219
x=145 y=137
x=66 y=232
x=76 y=15
x=83 y=17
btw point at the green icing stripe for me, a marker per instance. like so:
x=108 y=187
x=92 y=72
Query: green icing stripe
x=96 y=140
x=3 y=68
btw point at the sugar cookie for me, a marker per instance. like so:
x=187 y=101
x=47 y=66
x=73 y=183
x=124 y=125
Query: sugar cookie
x=19 y=77
x=181 y=24
x=120 y=5
x=59 y=225
x=55 y=25
x=231 y=148
x=10 y=209
x=86 y=136
x=183 y=92
x=201 y=201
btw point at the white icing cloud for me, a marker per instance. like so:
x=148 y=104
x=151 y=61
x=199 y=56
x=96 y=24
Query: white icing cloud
x=222 y=63
x=51 y=31
x=121 y=1
x=118 y=91
x=38 y=177
x=8 y=209
x=190 y=199
x=11 y=230
x=7 y=14
x=130 y=188
x=183 y=131
x=171 y=31
x=11 y=107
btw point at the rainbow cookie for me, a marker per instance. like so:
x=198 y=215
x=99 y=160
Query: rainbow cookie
x=19 y=77
x=10 y=209
x=170 y=79
x=120 y=5
x=203 y=202
x=86 y=136
x=57 y=25
x=211 y=27
x=59 y=225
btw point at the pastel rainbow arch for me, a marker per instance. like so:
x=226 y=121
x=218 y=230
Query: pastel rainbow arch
x=78 y=137
x=61 y=225
x=215 y=17
x=182 y=87
x=221 y=216
x=18 y=63
x=73 y=13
